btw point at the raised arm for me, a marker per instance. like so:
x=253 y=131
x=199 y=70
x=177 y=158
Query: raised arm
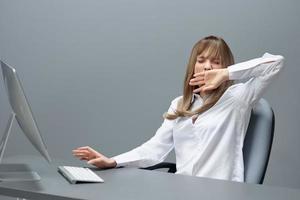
x=260 y=71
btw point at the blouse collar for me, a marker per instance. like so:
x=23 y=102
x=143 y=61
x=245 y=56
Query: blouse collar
x=195 y=97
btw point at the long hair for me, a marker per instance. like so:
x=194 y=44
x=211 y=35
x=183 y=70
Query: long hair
x=215 y=47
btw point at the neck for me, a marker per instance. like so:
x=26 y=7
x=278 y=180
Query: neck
x=204 y=94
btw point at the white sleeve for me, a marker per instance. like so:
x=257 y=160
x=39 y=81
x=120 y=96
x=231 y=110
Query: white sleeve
x=261 y=72
x=154 y=150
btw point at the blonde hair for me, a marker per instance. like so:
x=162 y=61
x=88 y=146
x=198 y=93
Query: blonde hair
x=215 y=47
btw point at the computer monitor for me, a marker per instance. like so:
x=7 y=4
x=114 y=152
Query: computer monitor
x=22 y=113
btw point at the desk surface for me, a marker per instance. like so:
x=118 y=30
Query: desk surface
x=131 y=183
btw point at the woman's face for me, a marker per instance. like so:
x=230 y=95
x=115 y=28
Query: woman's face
x=206 y=62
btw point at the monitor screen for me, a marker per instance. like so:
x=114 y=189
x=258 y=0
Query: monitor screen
x=21 y=109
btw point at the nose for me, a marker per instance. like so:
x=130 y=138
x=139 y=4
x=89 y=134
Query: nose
x=207 y=66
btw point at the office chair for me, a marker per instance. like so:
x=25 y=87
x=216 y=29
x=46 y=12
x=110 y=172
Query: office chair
x=257 y=144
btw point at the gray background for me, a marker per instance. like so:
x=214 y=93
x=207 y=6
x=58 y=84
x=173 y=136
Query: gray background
x=102 y=73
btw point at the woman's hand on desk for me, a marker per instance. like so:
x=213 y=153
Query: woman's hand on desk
x=93 y=157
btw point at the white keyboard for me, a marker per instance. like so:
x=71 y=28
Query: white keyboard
x=79 y=174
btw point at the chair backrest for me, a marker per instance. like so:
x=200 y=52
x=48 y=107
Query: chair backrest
x=258 y=142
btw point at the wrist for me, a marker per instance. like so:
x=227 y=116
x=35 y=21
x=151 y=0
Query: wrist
x=225 y=73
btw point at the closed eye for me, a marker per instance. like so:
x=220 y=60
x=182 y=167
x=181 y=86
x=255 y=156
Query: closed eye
x=217 y=62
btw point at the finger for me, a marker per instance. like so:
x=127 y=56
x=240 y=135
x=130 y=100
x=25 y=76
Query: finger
x=202 y=88
x=197 y=79
x=80 y=155
x=84 y=158
x=196 y=83
x=82 y=148
x=80 y=151
x=85 y=152
x=93 y=161
x=197 y=90
x=201 y=82
x=199 y=74
x=208 y=88
x=90 y=149
x=94 y=152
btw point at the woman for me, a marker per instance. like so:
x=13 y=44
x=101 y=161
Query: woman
x=207 y=125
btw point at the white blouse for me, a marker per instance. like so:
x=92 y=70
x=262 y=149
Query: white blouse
x=212 y=145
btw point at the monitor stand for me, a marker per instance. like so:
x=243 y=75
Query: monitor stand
x=9 y=173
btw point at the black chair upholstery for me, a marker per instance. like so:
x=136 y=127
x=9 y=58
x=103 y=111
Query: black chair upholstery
x=257 y=144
